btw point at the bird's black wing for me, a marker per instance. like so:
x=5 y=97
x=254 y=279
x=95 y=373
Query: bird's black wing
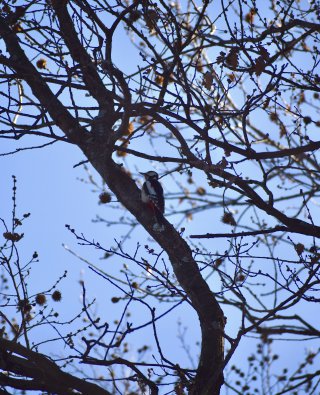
x=156 y=193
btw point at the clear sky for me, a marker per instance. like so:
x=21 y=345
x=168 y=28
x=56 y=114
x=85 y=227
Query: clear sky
x=50 y=188
x=57 y=193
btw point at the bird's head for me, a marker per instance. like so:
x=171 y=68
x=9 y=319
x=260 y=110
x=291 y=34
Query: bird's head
x=150 y=175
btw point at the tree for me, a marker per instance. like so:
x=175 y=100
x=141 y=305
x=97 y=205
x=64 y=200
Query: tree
x=225 y=99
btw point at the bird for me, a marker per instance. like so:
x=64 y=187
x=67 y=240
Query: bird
x=152 y=195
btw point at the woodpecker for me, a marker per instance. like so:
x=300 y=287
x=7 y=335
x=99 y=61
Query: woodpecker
x=152 y=195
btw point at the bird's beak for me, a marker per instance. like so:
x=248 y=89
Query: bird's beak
x=142 y=173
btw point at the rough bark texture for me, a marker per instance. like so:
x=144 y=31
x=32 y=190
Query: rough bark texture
x=40 y=373
x=217 y=94
x=209 y=376
x=98 y=147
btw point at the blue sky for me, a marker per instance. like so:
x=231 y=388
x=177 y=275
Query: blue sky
x=52 y=191
x=50 y=188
